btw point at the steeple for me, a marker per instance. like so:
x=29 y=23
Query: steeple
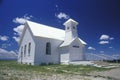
x=70 y=29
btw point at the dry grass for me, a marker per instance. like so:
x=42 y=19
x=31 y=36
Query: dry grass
x=11 y=70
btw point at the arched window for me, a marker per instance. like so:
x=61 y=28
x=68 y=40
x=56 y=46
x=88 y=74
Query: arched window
x=21 y=56
x=24 y=50
x=48 y=48
x=29 y=48
x=21 y=51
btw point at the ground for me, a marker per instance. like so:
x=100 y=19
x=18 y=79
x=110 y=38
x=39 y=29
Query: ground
x=11 y=70
x=113 y=73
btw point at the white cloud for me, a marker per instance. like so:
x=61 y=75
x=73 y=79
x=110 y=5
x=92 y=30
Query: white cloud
x=104 y=42
x=62 y=15
x=18 y=31
x=56 y=6
x=91 y=48
x=4 y=38
x=104 y=37
x=111 y=38
x=110 y=47
x=26 y=16
x=4 y=45
x=23 y=19
x=17 y=39
x=19 y=20
x=4 y=54
x=101 y=52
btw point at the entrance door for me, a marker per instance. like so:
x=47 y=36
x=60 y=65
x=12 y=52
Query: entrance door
x=75 y=54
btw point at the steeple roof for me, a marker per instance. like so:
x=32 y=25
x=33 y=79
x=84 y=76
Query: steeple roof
x=70 y=21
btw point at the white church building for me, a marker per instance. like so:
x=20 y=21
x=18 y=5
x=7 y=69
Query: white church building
x=44 y=44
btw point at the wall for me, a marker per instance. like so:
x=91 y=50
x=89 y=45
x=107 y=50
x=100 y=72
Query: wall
x=25 y=41
x=76 y=53
x=41 y=56
x=64 y=54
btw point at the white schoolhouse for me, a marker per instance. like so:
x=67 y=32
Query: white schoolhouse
x=44 y=44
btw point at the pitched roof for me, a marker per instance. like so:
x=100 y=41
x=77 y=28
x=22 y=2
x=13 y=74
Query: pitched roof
x=70 y=21
x=48 y=31
x=67 y=43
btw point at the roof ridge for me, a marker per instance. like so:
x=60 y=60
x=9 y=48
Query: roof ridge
x=42 y=30
x=28 y=21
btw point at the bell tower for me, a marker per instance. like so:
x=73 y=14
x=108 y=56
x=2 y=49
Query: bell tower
x=70 y=29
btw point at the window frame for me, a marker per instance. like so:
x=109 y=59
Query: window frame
x=74 y=27
x=21 y=51
x=29 y=48
x=48 y=48
x=68 y=27
x=75 y=46
x=25 y=50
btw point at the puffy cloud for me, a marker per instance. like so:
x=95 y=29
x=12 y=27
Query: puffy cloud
x=104 y=42
x=111 y=38
x=5 y=45
x=62 y=15
x=23 y=19
x=91 y=48
x=26 y=16
x=17 y=39
x=101 y=51
x=4 y=54
x=110 y=47
x=18 y=31
x=19 y=20
x=4 y=38
x=56 y=6
x=104 y=37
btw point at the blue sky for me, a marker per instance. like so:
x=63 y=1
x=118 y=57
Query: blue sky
x=99 y=21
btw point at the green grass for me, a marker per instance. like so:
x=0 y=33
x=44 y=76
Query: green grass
x=70 y=69
x=11 y=70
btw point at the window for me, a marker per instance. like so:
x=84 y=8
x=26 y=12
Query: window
x=29 y=48
x=21 y=51
x=67 y=28
x=21 y=56
x=24 y=50
x=76 y=46
x=48 y=48
x=73 y=27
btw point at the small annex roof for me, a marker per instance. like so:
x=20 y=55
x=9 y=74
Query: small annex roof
x=46 y=31
x=67 y=43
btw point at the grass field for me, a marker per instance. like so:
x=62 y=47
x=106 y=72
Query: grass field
x=11 y=70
